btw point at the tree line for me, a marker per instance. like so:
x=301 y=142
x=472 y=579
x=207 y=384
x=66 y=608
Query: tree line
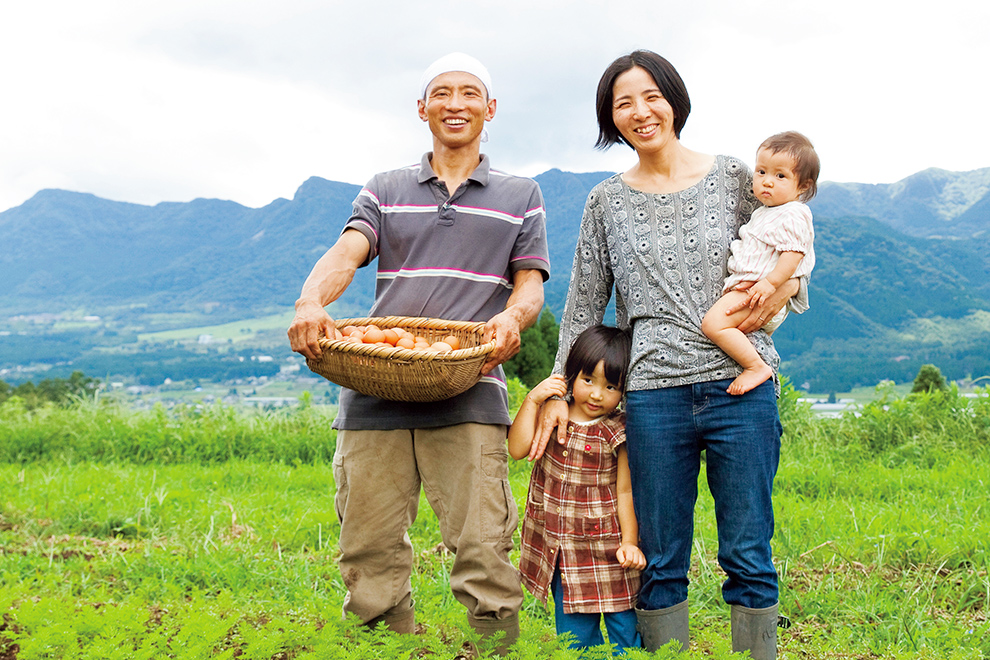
x=59 y=391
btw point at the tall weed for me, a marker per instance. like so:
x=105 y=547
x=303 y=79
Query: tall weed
x=107 y=432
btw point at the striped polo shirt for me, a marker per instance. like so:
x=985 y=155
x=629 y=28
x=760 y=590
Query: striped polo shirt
x=450 y=257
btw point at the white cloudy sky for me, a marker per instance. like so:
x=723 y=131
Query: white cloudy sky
x=144 y=101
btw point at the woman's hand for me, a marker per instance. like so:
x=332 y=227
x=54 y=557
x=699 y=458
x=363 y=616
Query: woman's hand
x=760 y=292
x=552 y=416
x=630 y=556
x=762 y=313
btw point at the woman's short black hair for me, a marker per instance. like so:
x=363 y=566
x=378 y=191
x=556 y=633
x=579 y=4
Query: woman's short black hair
x=664 y=75
x=596 y=344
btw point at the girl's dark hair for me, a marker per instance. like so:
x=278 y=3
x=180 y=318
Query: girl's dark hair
x=596 y=344
x=664 y=75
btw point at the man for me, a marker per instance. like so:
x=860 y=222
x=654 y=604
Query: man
x=454 y=240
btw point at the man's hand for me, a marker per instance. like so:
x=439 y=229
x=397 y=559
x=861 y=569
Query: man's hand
x=521 y=311
x=553 y=415
x=331 y=275
x=310 y=323
x=504 y=327
x=760 y=314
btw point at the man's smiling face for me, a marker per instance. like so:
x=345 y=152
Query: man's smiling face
x=456 y=107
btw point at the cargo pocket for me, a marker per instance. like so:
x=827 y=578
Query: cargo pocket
x=499 y=516
x=340 y=479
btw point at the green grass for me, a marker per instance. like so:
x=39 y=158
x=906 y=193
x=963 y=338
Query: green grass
x=210 y=533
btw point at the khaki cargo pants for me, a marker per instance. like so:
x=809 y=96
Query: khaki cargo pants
x=463 y=470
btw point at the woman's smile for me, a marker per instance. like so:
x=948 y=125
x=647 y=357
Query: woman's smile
x=639 y=109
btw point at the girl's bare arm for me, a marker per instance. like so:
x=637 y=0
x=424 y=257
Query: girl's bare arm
x=629 y=554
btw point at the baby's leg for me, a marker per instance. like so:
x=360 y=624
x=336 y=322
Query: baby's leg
x=722 y=329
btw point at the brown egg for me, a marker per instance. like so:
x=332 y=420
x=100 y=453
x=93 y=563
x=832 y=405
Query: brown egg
x=406 y=342
x=452 y=341
x=441 y=346
x=373 y=335
x=348 y=330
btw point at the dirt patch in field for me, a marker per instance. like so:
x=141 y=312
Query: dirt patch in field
x=69 y=546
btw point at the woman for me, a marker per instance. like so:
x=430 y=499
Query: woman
x=660 y=234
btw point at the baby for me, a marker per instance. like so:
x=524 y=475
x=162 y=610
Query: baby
x=774 y=246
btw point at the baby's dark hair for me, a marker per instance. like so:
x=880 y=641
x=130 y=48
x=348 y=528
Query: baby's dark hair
x=599 y=343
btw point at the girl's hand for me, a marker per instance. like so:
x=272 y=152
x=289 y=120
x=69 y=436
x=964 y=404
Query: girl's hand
x=555 y=385
x=630 y=556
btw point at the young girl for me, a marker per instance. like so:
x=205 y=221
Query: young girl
x=774 y=246
x=579 y=535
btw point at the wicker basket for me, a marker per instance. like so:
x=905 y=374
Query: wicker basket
x=401 y=374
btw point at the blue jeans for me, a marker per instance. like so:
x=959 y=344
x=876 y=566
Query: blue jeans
x=586 y=627
x=666 y=431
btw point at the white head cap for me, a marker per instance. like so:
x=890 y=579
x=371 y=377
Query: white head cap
x=456 y=62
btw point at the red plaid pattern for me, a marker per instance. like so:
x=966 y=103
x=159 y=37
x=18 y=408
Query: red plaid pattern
x=571 y=519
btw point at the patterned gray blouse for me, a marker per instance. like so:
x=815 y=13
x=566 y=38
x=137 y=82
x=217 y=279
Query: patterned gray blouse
x=665 y=255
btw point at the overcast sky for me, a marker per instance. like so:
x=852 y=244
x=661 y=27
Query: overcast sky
x=244 y=100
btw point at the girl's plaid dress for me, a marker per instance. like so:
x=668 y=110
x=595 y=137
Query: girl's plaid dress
x=571 y=520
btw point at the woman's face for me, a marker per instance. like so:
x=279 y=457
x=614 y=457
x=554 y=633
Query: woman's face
x=640 y=112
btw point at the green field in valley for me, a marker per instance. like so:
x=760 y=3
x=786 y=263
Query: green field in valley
x=209 y=532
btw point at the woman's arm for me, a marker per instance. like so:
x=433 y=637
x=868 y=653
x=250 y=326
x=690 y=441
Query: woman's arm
x=628 y=554
x=523 y=428
x=588 y=294
x=590 y=288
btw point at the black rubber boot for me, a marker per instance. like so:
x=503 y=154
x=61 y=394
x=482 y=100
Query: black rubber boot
x=490 y=627
x=755 y=630
x=657 y=627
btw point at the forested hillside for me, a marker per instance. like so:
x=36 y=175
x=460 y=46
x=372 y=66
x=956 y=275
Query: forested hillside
x=882 y=270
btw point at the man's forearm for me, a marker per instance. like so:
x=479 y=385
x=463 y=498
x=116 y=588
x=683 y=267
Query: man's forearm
x=526 y=301
x=334 y=271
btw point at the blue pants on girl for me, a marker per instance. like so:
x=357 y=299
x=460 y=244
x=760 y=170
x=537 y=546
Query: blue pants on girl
x=586 y=627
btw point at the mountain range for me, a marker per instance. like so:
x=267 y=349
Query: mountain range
x=894 y=261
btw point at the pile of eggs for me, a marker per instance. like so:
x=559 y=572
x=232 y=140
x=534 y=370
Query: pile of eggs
x=397 y=337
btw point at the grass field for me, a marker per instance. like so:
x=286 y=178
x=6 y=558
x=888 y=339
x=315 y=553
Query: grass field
x=236 y=331
x=210 y=533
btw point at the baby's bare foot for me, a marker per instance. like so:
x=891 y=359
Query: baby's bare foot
x=750 y=378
